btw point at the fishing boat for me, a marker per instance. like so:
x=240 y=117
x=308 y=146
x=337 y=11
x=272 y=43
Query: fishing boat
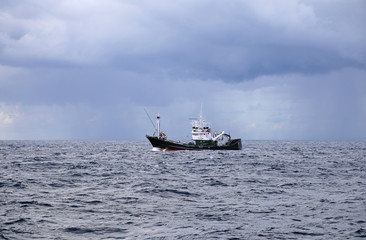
x=202 y=136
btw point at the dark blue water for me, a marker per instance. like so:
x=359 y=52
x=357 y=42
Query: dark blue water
x=123 y=190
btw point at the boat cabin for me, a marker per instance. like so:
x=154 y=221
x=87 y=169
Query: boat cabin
x=201 y=130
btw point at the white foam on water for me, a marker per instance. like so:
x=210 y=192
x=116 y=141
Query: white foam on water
x=155 y=149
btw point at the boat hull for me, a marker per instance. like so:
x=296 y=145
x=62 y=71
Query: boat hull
x=169 y=145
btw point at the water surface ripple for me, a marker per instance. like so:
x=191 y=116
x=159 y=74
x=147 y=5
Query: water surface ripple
x=123 y=190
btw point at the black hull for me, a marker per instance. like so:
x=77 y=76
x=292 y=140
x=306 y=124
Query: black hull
x=168 y=145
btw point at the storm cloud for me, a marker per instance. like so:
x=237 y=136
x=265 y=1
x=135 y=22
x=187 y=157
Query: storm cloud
x=261 y=69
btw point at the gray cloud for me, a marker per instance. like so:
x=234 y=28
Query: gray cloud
x=238 y=40
x=264 y=69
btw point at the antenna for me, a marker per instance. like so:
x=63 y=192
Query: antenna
x=201 y=112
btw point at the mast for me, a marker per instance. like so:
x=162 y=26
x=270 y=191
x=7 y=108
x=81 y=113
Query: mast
x=158 y=125
x=201 y=114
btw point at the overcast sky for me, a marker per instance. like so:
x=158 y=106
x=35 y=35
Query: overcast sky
x=263 y=69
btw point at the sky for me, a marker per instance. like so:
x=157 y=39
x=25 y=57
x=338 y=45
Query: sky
x=261 y=70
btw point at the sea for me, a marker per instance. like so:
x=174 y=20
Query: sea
x=124 y=190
